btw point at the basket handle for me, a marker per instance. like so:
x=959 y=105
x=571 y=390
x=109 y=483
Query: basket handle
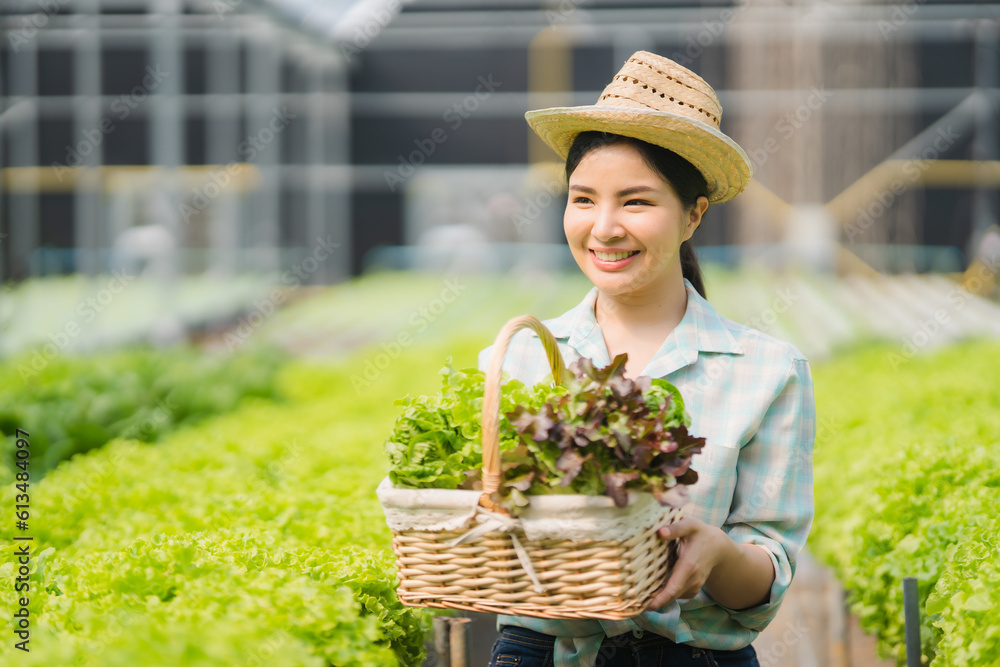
x=491 y=394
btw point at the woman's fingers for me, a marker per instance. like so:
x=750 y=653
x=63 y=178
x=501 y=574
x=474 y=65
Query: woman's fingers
x=682 y=587
x=683 y=579
x=660 y=600
x=688 y=575
x=691 y=592
x=681 y=528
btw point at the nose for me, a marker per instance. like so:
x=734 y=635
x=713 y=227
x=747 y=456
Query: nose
x=607 y=226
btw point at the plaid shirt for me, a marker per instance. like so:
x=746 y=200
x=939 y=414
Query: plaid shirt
x=751 y=397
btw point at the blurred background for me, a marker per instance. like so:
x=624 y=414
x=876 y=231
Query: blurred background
x=217 y=148
x=354 y=182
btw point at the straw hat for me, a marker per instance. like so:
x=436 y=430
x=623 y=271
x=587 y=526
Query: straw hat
x=654 y=99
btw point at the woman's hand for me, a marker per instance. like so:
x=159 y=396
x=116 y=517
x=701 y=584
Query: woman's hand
x=701 y=548
x=737 y=576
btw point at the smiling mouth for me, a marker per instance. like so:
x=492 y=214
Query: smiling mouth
x=614 y=256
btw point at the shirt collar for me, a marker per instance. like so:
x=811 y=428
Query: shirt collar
x=713 y=333
x=701 y=329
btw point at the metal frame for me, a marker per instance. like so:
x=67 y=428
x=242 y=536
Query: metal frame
x=319 y=174
x=240 y=218
x=854 y=23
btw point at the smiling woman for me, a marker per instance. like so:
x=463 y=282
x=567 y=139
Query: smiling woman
x=628 y=227
x=642 y=167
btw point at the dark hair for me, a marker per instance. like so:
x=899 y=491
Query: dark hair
x=683 y=177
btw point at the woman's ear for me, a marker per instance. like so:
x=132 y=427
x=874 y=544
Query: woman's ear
x=694 y=216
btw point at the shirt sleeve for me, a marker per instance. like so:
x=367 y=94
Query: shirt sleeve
x=484 y=357
x=773 y=501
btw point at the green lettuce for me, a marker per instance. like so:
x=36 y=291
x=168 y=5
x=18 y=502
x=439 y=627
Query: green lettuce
x=599 y=433
x=437 y=440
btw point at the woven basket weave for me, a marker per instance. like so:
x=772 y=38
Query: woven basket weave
x=555 y=561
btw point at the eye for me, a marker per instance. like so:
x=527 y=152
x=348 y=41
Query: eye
x=580 y=199
x=640 y=202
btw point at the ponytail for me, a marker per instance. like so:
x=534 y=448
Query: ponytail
x=690 y=268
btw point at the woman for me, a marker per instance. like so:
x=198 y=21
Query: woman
x=642 y=166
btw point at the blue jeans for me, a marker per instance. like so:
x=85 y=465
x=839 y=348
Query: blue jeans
x=522 y=647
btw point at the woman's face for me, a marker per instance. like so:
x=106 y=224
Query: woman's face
x=625 y=224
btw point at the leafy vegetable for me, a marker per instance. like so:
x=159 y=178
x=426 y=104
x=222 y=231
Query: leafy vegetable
x=254 y=537
x=907 y=482
x=602 y=433
x=75 y=404
x=436 y=441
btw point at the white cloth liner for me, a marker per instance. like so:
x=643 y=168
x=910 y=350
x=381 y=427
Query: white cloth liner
x=561 y=517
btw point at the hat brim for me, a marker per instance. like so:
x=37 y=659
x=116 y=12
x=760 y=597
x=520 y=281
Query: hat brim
x=724 y=164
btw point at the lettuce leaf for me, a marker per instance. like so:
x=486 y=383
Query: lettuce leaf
x=605 y=434
x=601 y=433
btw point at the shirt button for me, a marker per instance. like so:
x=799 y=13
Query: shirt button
x=637 y=634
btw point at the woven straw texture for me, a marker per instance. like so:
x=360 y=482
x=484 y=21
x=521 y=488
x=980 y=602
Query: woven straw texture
x=496 y=568
x=582 y=578
x=654 y=99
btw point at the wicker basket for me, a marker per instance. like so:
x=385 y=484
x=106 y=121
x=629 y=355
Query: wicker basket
x=566 y=556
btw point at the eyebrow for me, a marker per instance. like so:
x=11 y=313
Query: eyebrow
x=621 y=193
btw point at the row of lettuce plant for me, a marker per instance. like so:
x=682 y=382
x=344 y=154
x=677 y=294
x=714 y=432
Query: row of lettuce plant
x=907 y=471
x=254 y=537
x=72 y=404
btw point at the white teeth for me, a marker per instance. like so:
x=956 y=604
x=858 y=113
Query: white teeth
x=613 y=256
